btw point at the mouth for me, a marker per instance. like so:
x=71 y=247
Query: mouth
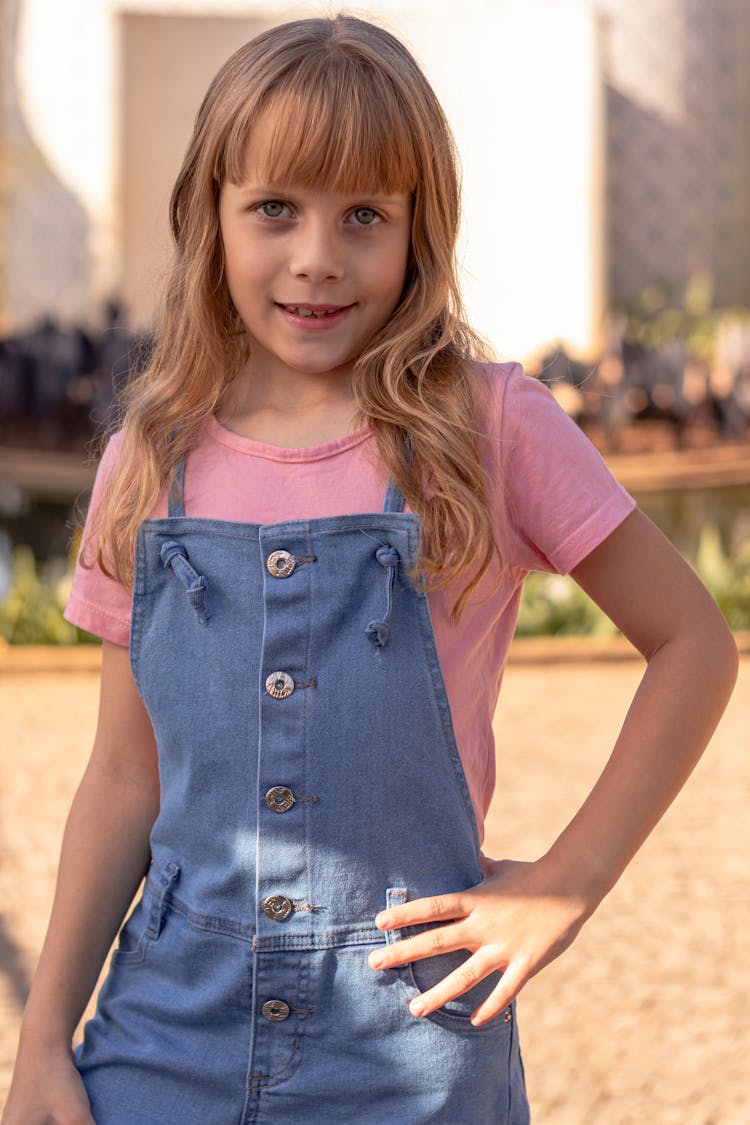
x=316 y=312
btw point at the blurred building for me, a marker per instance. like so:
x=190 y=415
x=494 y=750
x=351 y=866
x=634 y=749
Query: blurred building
x=677 y=144
x=605 y=146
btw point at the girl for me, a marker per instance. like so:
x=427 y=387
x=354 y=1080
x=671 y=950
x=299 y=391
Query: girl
x=323 y=508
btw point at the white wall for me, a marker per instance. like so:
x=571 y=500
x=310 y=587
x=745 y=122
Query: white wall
x=518 y=80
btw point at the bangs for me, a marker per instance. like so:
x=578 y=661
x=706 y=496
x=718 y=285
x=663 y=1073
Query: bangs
x=331 y=123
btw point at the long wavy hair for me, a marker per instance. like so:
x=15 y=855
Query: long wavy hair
x=358 y=115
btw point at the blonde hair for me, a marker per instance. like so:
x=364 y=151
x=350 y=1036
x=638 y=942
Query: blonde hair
x=358 y=115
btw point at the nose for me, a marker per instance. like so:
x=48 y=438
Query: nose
x=317 y=253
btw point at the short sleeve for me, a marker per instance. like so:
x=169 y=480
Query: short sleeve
x=97 y=603
x=562 y=500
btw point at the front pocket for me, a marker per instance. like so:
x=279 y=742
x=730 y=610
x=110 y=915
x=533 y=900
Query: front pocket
x=131 y=946
x=423 y=974
x=146 y=920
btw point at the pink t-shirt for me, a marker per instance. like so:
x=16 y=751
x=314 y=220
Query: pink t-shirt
x=553 y=498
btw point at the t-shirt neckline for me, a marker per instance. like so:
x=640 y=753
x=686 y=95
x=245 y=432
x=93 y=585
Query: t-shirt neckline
x=269 y=452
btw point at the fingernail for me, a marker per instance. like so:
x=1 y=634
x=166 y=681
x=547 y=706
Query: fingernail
x=376 y=960
x=416 y=1007
x=383 y=920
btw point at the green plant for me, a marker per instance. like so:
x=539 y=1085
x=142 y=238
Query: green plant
x=654 y=319
x=728 y=579
x=31 y=613
x=552 y=605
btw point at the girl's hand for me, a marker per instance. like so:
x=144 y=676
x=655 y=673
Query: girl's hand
x=47 y=1090
x=516 y=921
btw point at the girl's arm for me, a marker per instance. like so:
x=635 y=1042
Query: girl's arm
x=105 y=853
x=525 y=914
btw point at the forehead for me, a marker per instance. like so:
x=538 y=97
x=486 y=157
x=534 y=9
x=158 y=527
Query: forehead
x=313 y=142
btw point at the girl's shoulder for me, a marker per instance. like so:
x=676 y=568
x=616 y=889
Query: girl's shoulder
x=549 y=483
x=110 y=448
x=494 y=378
x=506 y=384
x=515 y=406
x=110 y=445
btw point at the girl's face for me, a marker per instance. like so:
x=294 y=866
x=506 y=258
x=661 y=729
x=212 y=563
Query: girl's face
x=313 y=274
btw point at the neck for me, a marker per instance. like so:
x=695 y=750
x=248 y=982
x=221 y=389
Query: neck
x=290 y=408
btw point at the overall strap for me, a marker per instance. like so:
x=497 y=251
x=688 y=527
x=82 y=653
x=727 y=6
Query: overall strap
x=176 y=494
x=394 y=500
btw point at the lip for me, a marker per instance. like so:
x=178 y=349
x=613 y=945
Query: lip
x=301 y=314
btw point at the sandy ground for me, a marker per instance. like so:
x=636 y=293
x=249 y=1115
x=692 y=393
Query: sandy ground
x=643 y=1022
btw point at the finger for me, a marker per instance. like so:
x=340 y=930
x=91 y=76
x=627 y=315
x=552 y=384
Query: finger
x=437 y=908
x=473 y=970
x=503 y=994
x=443 y=939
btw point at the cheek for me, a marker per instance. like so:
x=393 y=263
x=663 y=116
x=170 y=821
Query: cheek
x=398 y=281
x=392 y=275
x=241 y=268
x=232 y=281
x=230 y=266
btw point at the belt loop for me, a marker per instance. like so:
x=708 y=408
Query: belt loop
x=169 y=875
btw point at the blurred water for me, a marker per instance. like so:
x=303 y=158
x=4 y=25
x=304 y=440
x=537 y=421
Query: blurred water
x=681 y=513
x=47 y=527
x=6 y=564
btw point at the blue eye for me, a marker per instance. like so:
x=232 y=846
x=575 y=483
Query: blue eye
x=272 y=209
x=366 y=216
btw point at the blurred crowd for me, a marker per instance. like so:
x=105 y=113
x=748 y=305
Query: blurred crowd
x=637 y=396
x=59 y=385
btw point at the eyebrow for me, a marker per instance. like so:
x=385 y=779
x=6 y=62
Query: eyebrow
x=289 y=189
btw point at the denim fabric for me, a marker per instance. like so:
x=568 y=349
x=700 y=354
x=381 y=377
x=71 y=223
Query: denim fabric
x=381 y=813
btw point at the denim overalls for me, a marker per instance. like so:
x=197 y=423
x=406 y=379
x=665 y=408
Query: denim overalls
x=309 y=778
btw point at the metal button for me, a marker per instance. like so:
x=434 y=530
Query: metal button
x=280 y=564
x=277 y=907
x=279 y=685
x=279 y=798
x=275 y=1010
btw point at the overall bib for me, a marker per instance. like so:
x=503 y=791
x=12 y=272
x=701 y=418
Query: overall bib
x=309 y=778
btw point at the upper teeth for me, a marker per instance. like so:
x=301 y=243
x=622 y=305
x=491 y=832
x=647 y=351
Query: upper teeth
x=309 y=312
